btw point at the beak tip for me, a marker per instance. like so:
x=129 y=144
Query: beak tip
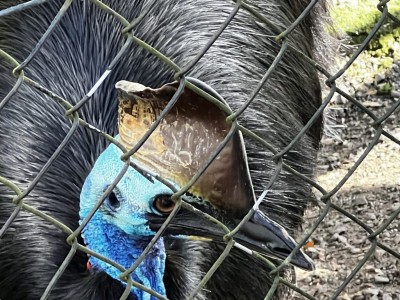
x=303 y=261
x=309 y=265
x=266 y=236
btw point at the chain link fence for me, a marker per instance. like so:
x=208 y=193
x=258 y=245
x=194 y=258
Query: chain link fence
x=326 y=200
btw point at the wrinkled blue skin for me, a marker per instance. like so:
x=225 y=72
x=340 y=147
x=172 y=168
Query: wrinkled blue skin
x=121 y=234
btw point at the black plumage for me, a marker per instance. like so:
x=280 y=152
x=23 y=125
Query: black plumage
x=69 y=63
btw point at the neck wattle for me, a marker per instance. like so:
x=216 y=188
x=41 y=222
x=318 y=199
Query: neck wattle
x=113 y=243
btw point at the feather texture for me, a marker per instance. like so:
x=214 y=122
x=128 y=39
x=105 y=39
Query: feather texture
x=69 y=63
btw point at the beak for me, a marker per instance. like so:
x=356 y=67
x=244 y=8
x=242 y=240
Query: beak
x=259 y=234
x=269 y=238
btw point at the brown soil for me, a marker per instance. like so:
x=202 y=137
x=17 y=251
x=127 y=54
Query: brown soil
x=372 y=194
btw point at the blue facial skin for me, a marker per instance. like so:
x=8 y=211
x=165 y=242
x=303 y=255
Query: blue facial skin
x=119 y=229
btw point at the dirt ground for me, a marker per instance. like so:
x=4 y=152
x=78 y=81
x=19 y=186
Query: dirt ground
x=372 y=194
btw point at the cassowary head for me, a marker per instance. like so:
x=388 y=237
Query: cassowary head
x=138 y=205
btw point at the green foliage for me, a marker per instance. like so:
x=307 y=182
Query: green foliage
x=387 y=44
x=357 y=18
x=386 y=88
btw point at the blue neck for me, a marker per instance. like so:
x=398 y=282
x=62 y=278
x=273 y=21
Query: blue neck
x=113 y=243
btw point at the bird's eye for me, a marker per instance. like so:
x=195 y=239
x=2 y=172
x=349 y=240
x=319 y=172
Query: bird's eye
x=113 y=201
x=163 y=204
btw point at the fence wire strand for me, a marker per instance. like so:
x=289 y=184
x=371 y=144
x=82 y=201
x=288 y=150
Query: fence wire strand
x=72 y=115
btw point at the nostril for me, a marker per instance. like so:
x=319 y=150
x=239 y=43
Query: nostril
x=113 y=201
x=282 y=251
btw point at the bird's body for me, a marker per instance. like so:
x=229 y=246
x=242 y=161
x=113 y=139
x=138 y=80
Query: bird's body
x=69 y=63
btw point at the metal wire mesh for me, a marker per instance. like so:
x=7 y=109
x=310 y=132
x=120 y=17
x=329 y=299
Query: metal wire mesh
x=72 y=114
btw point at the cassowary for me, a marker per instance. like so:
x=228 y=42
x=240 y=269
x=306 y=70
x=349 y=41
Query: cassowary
x=69 y=63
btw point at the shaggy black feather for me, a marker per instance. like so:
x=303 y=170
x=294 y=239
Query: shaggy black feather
x=69 y=63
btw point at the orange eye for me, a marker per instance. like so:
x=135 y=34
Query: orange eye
x=163 y=204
